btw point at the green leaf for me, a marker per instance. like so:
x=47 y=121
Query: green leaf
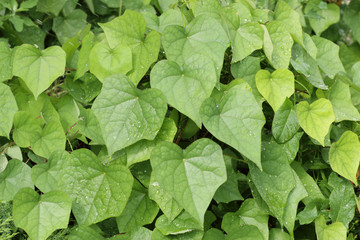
x=38 y=68
x=142 y=233
x=316 y=118
x=248 y=38
x=50 y=6
x=192 y=175
x=67 y=27
x=46 y=176
x=352 y=18
x=328 y=56
x=289 y=17
x=185 y=87
x=132 y=116
x=25 y=127
x=285 y=124
x=8 y=109
x=236 y=120
x=277 y=44
x=165 y=201
x=245 y=233
x=129 y=29
x=87 y=44
x=214 y=234
x=40 y=215
x=276 y=181
x=248 y=214
x=85 y=89
x=340 y=98
x=14 y=152
x=89 y=126
x=97 y=191
x=85 y=232
x=139 y=210
x=15 y=177
x=193 y=235
x=334 y=231
x=181 y=224
x=275 y=86
x=321 y=15
x=341 y=199
x=106 y=61
x=5 y=62
x=278 y=234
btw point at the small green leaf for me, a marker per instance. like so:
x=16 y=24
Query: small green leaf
x=131 y=116
x=85 y=232
x=352 y=18
x=83 y=64
x=275 y=86
x=40 y=215
x=38 y=68
x=89 y=126
x=8 y=109
x=316 y=118
x=106 y=61
x=246 y=232
x=185 y=87
x=25 y=127
x=334 y=231
x=5 y=62
x=193 y=235
x=236 y=120
x=278 y=234
x=85 y=89
x=181 y=224
x=192 y=175
x=50 y=6
x=15 y=177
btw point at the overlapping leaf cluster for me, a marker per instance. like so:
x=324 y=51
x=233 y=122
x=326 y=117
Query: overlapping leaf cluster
x=190 y=119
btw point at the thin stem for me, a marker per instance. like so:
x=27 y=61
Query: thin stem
x=181 y=131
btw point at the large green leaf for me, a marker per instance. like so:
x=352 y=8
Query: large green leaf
x=129 y=29
x=185 y=87
x=340 y=98
x=334 y=231
x=321 y=15
x=183 y=223
x=246 y=232
x=8 y=108
x=315 y=118
x=38 y=68
x=97 y=191
x=40 y=215
x=15 y=177
x=192 y=175
x=236 y=120
x=275 y=86
x=276 y=181
x=130 y=116
x=277 y=44
x=5 y=61
x=106 y=61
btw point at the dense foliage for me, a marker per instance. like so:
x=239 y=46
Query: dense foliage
x=179 y=119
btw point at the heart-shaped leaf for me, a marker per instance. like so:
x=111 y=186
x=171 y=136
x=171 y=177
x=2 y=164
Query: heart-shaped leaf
x=344 y=156
x=106 y=61
x=38 y=68
x=40 y=215
x=8 y=108
x=5 y=61
x=236 y=120
x=185 y=87
x=334 y=231
x=25 y=127
x=97 y=191
x=192 y=175
x=275 y=86
x=316 y=118
x=127 y=114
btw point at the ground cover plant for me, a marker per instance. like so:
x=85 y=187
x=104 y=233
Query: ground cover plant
x=179 y=119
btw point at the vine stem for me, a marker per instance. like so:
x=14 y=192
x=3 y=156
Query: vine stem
x=181 y=131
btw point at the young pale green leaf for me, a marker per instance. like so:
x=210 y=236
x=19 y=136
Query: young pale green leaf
x=83 y=64
x=321 y=15
x=185 y=87
x=14 y=152
x=344 y=156
x=5 y=61
x=340 y=98
x=140 y=210
x=67 y=27
x=275 y=86
x=181 y=224
x=277 y=44
x=127 y=114
x=316 y=118
x=8 y=109
x=248 y=214
x=248 y=38
x=334 y=231
x=246 y=232
x=46 y=176
x=276 y=181
x=165 y=201
x=25 y=127
x=40 y=215
x=97 y=191
x=236 y=120
x=38 y=68
x=106 y=61
x=342 y=200
x=289 y=17
x=285 y=124
x=328 y=56
x=15 y=177
x=278 y=234
x=129 y=29
x=191 y=176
